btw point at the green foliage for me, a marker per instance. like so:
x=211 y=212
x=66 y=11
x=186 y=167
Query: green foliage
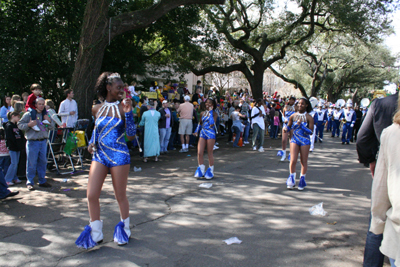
x=340 y=64
x=38 y=43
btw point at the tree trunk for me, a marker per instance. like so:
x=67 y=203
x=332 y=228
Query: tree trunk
x=96 y=34
x=257 y=80
x=94 y=39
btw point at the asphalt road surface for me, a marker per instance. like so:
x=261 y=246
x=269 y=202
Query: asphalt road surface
x=177 y=223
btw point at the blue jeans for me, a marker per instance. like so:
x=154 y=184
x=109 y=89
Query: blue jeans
x=372 y=255
x=36 y=161
x=165 y=134
x=392 y=262
x=236 y=130
x=274 y=131
x=172 y=141
x=12 y=170
x=246 y=132
x=3 y=185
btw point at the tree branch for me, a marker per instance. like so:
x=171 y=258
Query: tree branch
x=142 y=18
x=294 y=82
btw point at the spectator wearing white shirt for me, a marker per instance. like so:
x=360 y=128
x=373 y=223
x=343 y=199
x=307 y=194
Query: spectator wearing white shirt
x=258 y=125
x=69 y=106
x=132 y=89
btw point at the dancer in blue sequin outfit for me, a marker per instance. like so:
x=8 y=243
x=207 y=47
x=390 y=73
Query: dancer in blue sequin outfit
x=288 y=111
x=113 y=120
x=207 y=135
x=300 y=124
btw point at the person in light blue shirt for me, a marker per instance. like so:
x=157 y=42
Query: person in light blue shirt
x=5 y=109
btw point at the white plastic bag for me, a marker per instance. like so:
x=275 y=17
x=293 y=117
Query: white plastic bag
x=233 y=240
x=206 y=185
x=317 y=210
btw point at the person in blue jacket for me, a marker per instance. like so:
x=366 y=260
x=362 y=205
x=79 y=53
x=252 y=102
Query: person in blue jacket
x=320 y=119
x=349 y=119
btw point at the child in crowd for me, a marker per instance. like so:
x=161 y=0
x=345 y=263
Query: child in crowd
x=275 y=126
x=19 y=107
x=50 y=108
x=15 y=142
x=36 y=90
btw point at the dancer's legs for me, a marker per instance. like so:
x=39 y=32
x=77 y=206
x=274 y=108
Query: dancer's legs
x=210 y=148
x=119 y=176
x=97 y=174
x=284 y=139
x=304 y=151
x=200 y=150
x=294 y=154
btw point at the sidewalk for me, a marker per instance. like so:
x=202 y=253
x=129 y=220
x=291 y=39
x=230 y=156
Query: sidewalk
x=178 y=223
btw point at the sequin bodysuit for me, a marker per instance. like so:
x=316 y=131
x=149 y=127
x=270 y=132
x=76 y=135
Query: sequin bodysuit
x=109 y=137
x=208 y=125
x=301 y=133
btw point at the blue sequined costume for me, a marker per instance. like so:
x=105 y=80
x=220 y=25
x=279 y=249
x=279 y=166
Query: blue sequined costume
x=109 y=137
x=301 y=133
x=288 y=112
x=206 y=130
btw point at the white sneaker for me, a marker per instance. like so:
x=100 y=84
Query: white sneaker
x=245 y=142
x=216 y=143
x=36 y=128
x=183 y=150
x=261 y=149
x=215 y=147
x=46 y=122
x=254 y=148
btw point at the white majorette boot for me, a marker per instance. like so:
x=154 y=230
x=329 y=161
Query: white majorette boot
x=122 y=232
x=91 y=236
x=283 y=155
x=200 y=171
x=209 y=173
x=291 y=181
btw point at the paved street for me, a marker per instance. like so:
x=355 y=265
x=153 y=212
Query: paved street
x=178 y=223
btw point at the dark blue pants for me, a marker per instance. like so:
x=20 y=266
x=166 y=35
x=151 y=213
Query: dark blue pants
x=336 y=126
x=372 y=255
x=320 y=130
x=330 y=124
x=347 y=132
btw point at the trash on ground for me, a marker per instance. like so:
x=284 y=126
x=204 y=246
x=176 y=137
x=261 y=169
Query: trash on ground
x=137 y=169
x=65 y=180
x=317 y=210
x=332 y=223
x=206 y=185
x=189 y=155
x=68 y=189
x=233 y=240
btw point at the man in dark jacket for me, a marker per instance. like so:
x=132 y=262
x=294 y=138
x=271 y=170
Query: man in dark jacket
x=165 y=125
x=379 y=117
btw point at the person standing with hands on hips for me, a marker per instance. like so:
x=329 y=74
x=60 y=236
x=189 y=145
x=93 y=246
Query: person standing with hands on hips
x=110 y=154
